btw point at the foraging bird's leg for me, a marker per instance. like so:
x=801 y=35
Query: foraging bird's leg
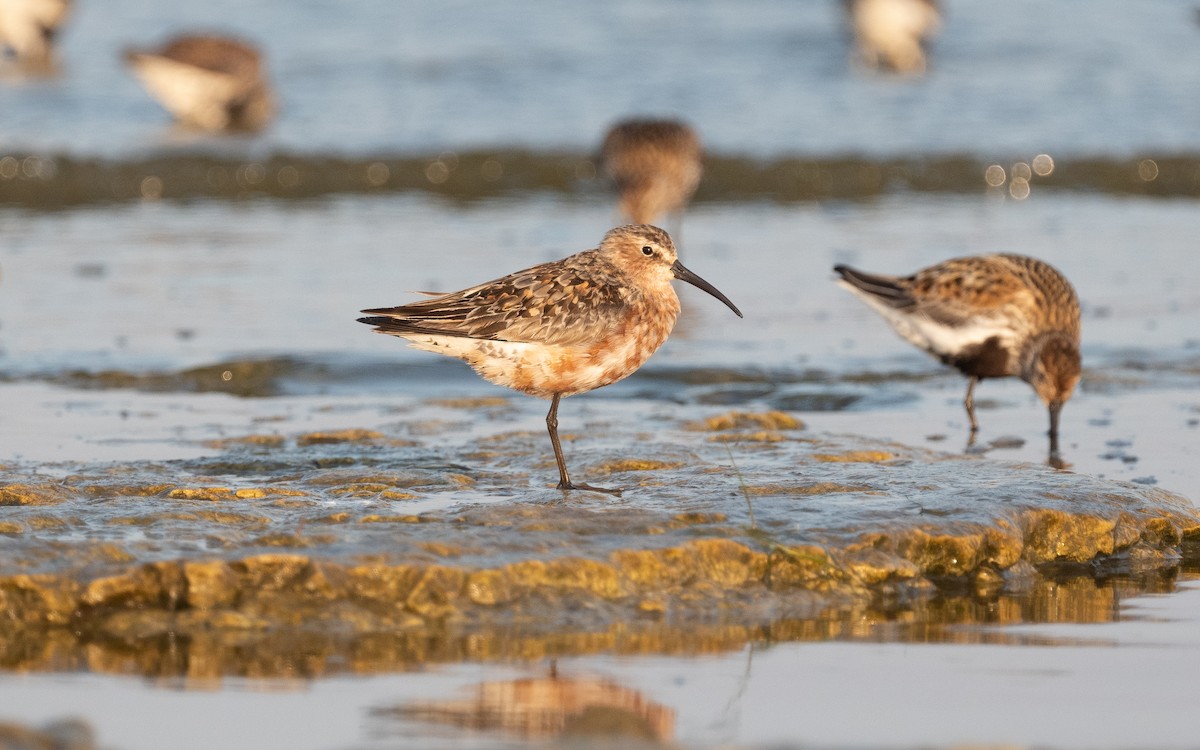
x=564 y=479
x=969 y=403
x=1055 y=458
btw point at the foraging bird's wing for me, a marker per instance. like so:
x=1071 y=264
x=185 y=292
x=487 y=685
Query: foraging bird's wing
x=553 y=303
x=947 y=308
x=1059 y=304
x=965 y=290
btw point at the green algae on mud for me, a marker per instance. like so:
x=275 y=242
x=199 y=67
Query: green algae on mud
x=166 y=645
x=741 y=534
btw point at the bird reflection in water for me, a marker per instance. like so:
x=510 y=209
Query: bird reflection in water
x=549 y=707
x=1054 y=458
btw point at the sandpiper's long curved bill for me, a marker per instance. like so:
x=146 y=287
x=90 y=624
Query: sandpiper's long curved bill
x=683 y=274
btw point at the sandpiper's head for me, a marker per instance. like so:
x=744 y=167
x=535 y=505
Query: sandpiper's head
x=1054 y=372
x=648 y=255
x=627 y=246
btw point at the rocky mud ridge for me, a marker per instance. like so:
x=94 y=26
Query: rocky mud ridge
x=388 y=548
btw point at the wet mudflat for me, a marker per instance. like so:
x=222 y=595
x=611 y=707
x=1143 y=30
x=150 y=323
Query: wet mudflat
x=303 y=514
x=231 y=516
x=364 y=531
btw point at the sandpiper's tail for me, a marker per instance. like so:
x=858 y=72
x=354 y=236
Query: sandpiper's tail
x=377 y=320
x=398 y=326
x=890 y=290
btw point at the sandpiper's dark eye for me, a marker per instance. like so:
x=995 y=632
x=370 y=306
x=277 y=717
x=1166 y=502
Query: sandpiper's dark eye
x=647 y=250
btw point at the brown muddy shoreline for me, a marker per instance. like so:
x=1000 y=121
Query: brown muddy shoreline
x=55 y=181
x=170 y=646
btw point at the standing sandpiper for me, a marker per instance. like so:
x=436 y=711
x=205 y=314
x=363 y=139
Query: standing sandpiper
x=211 y=82
x=559 y=328
x=656 y=165
x=990 y=316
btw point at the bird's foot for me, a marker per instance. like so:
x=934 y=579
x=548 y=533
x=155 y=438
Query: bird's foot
x=589 y=488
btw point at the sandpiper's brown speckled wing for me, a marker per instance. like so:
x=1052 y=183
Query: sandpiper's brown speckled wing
x=958 y=290
x=567 y=302
x=1059 y=306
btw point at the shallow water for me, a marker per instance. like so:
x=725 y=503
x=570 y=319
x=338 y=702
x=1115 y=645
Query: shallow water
x=230 y=511
x=168 y=298
x=1020 y=691
x=182 y=329
x=1083 y=76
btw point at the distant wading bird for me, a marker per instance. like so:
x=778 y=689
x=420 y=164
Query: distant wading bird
x=28 y=29
x=210 y=82
x=893 y=34
x=656 y=165
x=990 y=316
x=559 y=328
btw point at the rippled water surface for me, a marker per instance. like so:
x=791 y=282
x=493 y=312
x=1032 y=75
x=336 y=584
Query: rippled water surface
x=763 y=695
x=139 y=295
x=232 y=516
x=761 y=76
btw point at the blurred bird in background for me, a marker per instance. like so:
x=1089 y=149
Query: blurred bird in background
x=656 y=166
x=28 y=29
x=893 y=35
x=207 y=81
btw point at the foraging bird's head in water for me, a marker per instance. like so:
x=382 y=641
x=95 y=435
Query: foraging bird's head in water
x=1054 y=370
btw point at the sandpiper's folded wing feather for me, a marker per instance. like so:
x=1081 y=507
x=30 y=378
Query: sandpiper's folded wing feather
x=1059 y=303
x=963 y=290
x=891 y=290
x=571 y=308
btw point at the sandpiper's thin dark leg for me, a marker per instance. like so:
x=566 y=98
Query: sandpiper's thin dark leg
x=564 y=479
x=1054 y=411
x=969 y=403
